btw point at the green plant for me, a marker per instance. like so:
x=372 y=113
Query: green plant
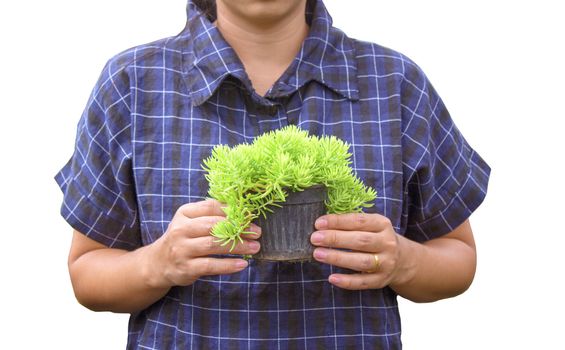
x=251 y=178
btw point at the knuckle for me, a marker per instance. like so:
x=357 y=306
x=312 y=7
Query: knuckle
x=180 y=253
x=173 y=252
x=368 y=262
x=212 y=206
x=185 y=208
x=335 y=257
x=385 y=280
x=332 y=239
x=211 y=243
x=384 y=221
x=360 y=220
x=208 y=204
x=365 y=242
x=189 y=270
x=380 y=284
x=207 y=266
x=386 y=270
x=364 y=284
x=170 y=275
x=212 y=222
x=391 y=244
x=174 y=228
x=390 y=264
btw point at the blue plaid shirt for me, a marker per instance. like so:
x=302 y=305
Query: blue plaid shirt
x=159 y=109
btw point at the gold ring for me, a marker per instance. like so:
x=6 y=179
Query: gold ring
x=377 y=264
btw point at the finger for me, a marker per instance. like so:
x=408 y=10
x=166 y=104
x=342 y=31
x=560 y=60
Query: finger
x=355 y=240
x=203 y=226
x=207 y=266
x=209 y=207
x=349 y=260
x=191 y=228
x=203 y=246
x=353 y=222
x=255 y=231
x=358 y=281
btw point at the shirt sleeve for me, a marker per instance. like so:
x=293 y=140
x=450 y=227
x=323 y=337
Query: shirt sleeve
x=445 y=179
x=97 y=182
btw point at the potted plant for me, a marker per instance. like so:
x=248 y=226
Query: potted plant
x=283 y=181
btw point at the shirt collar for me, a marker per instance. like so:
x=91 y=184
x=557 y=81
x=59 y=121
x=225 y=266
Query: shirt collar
x=327 y=56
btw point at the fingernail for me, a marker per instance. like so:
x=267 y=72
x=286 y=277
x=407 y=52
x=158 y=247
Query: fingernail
x=316 y=238
x=241 y=264
x=253 y=245
x=255 y=228
x=321 y=223
x=320 y=253
x=334 y=279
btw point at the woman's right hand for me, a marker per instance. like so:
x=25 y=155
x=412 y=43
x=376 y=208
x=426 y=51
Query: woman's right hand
x=182 y=254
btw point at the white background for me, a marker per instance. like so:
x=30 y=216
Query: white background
x=499 y=66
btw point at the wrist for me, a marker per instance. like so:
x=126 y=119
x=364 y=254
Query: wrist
x=151 y=269
x=410 y=253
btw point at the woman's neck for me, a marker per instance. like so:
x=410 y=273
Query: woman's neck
x=265 y=38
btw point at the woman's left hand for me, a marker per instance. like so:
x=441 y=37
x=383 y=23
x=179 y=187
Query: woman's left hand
x=376 y=250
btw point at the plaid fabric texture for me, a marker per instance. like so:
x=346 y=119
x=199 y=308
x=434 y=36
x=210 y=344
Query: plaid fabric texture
x=159 y=109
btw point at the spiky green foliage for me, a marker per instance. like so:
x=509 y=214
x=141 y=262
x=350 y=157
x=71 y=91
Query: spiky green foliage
x=252 y=178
